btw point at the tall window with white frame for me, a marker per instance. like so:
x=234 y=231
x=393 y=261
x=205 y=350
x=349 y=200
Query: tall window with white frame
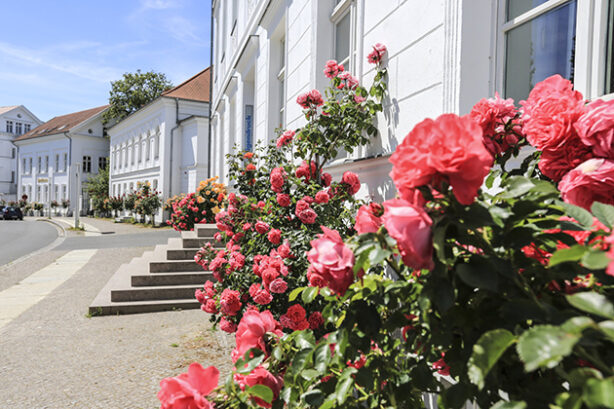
x=102 y=163
x=539 y=40
x=26 y=128
x=9 y=126
x=608 y=86
x=281 y=77
x=65 y=167
x=343 y=18
x=87 y=164
x=18 y=128
x=56 y=168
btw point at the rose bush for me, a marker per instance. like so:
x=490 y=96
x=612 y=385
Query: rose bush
x=197 y=207
x=503 y=296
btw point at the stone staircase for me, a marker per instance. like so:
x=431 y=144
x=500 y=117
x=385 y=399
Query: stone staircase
x=160 y=280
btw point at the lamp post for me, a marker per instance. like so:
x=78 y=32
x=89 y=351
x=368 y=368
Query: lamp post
x=77 y=189
x=50 y=190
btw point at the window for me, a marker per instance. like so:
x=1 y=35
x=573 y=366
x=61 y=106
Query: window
x=30 y=165
x=56 y=192
x=38 y=194
x=13 y=153
x=344 y=41
x=57 y=162
x=155 y=184
x=65 y=167
x=281 y=77
x=39 y=168
x=9 y=126
x=12 y=176
x=18 y=127
x=540 y=41
x=87 y=164
x=46 y=163
x=132 y=153
x=148 y=148
x=102 y=163
x=26 y=128
x=156 y=145
x=138 y=151
x=23 y=166
x=143 y=149
x=64 y=195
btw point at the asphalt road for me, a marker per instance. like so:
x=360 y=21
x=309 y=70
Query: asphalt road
x=19 y=238
x=106 y=241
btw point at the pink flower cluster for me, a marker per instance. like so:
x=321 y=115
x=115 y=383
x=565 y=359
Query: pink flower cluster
x=277 y=179
x=576 y=140
x=332 y=69
x=304 y=211
x=375 y=56
x=493 y=115
x=189 y=390
x=285 y=138
x=310 y=100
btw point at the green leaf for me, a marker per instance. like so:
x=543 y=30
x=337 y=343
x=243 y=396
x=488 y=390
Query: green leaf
x=516 y=186
x=300 y=360
x=480 y=276
x=502 y=404
x=604 y=213
x=314 y=397
x=573 y=253
x=343 y=389
x=321 y=357
x=309 y=374
x=607 y=327
x=309 y=294
x=582 y=216
x=599 y=393
x=593 y=303
x=246 y=364
x=578 y=377
x=595 y=260
x=544 y=346
x=294 y=293
x=261 y=391
x=486 y=352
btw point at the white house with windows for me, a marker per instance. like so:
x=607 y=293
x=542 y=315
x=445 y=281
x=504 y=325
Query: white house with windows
x=443 y=56
x=52 y=154
x=164 y=143
x=14 y=121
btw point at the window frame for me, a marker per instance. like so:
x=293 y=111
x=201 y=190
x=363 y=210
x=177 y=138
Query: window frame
x=339 y=12
x=87 y=164
x=281 y=78
x=590 y=48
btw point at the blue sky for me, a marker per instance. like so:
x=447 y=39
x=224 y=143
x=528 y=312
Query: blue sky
x=58 y=57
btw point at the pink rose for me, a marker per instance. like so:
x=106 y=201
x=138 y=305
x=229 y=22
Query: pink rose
x=284 y=251
x=351 y=179
x=556 y=163
x=592 y=181
x=366 y=221
x=230 y=302
x=283 y=199
x=610 y=241
x=285 y=138
x=188 y=390
x=252 y=330
x=450 y=149
x=227 y=326
x=492 y=115
x=322 y=197
x=261 y=376
x=274 y=236
x=331 y=259
x=277 y=179
x=596 y=128
x=410 y=226
x=278 y=286
x=550 y=112
x=262 y=227
x=209 y=306
x=331 y=69
x=308 y=216
x=377 y=54
x=326 y=179
x=260 y=295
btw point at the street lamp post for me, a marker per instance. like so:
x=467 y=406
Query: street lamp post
x=77 y=189
x=50 y=192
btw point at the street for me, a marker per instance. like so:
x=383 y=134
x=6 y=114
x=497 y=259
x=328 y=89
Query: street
x=20 y=238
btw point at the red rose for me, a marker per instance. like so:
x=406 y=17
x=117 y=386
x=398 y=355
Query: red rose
x=450 y=149
x=250 y=167
x=322 y=197
x=331 y=69
x=331 y=259
x=294 y=318
x=262 y=227
x=410 y=226
x=326 y=179
x=285 y=138
x=366 y=221
x=261 y=376
x=592 y=181
x=188 y=390
x=252 y=330
x=596 y=128
x=230 y=302
x=550 y=113
x=308 y=216
x=274 y=236
x=283 y=199
x=556 y=163
x=315 y=320
x=260 y=295
x=351 y=179
x=209 y=306
x=277 y=179
x=284 y=251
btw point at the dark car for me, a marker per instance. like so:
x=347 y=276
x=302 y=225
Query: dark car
x=12 y=213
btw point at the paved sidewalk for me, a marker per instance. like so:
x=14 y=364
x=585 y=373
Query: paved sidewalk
x=54 y=356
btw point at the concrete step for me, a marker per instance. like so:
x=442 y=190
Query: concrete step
x=181 y=254
x=169 y=292
x=137 y=307
x=192 y=242
x=167 y=279
x=174 y=266
x=205 y=230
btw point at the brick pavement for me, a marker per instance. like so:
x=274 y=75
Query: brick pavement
x=54 y=356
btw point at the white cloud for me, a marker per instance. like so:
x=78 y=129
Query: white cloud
x=159 y=4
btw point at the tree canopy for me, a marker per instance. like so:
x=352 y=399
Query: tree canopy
x=133 y=91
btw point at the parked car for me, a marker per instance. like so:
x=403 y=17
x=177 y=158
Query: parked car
x=2 y=210
x=12 y=213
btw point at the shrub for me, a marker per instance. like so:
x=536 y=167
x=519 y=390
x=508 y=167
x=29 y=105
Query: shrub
x=147 y=201
x=198 y=207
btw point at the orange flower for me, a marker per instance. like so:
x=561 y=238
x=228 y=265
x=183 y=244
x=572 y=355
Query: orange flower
x=200 y=199
x=250 y=167
x=248 y=155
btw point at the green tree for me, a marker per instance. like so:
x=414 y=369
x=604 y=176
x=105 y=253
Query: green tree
x=134 y=91
x=97 y=187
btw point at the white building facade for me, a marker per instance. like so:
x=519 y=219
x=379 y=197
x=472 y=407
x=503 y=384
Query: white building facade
x=15 y=120
x=164 y=143
x=51 y=154
x=443 y=56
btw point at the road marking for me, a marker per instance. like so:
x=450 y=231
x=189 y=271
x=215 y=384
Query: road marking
x=18 y=298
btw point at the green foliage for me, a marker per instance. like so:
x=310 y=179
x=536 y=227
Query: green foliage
x=133 y=91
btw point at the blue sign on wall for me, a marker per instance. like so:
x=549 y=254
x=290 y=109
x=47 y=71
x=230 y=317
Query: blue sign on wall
x=249 y=120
